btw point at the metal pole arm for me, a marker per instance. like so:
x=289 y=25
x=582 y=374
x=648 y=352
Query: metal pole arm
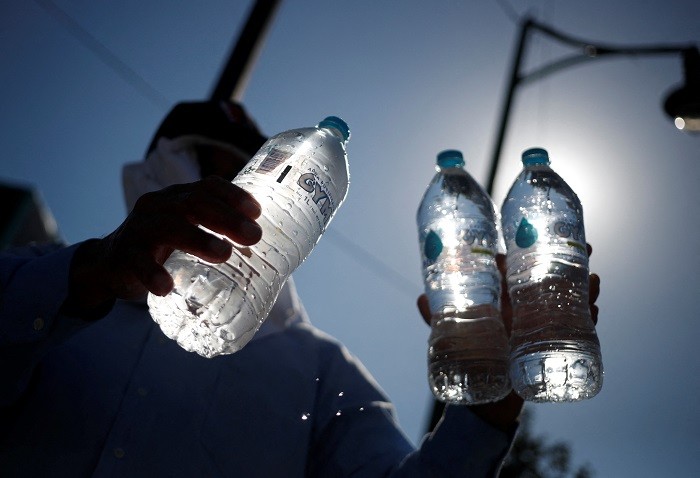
x=586 y=51
x=589 y=50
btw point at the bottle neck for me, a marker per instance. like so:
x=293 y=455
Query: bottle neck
x=536 y=166
x=449 y=169
x=335 y=132
x=445 y=165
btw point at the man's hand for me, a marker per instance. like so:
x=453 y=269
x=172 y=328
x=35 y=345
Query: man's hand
x=128 y=263
x=503 y=413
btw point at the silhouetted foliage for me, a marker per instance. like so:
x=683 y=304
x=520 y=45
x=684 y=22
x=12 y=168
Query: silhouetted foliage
x=533 y=457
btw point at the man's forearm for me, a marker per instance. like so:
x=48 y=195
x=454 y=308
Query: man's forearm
x=89 y=295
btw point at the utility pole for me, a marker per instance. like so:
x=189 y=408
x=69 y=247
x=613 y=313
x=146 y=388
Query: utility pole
x=234 y=76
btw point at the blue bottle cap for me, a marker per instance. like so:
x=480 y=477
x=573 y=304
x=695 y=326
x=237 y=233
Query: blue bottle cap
x=450 y=158
x=534 y=156
x=337 y=123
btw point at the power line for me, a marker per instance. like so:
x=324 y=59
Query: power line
x=509 y=11
x=374 y=263
x=112 y=61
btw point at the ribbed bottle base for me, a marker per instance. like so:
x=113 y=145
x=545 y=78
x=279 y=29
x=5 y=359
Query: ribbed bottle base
x=557 y=372
x=470 y=382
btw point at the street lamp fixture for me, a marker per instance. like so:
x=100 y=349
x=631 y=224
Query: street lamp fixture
x=683 y=104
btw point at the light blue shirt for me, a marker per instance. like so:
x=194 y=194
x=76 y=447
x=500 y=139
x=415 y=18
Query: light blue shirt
x=115 y=397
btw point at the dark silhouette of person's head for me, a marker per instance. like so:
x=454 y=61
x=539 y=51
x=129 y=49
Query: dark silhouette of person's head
x=221 y=121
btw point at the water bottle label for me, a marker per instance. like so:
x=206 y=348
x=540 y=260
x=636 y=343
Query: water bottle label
x=572 y=232
x=527 y=235
x=274 y=158
x=318 y=193
x=481 y=241
x=433 y=246
x=467 y=240
x=311 y=188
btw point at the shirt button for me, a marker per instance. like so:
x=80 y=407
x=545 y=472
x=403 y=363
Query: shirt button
x=119 y=452
x=142 y=391
x=38 y=324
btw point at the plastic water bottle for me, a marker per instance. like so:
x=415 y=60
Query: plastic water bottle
x=300 y=178
x=555 y=353
x=458 y=237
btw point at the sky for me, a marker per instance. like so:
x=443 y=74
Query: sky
x=411 y=78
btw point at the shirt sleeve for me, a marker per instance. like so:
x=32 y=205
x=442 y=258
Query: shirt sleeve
x=33 y=286
x=357 y=433
x=462 y=445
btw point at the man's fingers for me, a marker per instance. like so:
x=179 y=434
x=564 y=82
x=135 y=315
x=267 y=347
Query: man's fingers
x=593 y=288
x=594 y=314
x=424 y=308
x=593 y=293
x=152 y=275
x=169 y=219
x=194 y=240
x=233 y=196
x=501 y=264
x=221 y=207
x=237 y=227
